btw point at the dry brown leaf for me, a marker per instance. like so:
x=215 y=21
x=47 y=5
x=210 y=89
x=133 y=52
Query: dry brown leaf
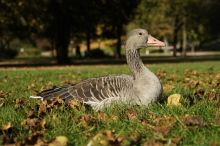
x=103 y=138
x=165 y=121
x=85 y=119
x=152 y=142
x=163 y=141
x=161 y=74
x=120 y=139
x=217 y=119
x=2 y=94
x=193 y=120
x=164 y=130
x=176 y=140
x=200 y=92
x=75 y=104
x=103 y=117
x=114 y=117
x=34 y=123
x=214 y=143
x=212 y=95
x=1 y=104
x=56 y=101
x=6 y=126
x=31 y=114
x=31 y=86
x=42 y=108
x=194 y=83
x=43 y=123
x=35 y=140
x=174 y=100
x=167 y=87
x=18 y=102
x=131 y=114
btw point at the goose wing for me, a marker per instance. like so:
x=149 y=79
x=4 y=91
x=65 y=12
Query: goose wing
x=95 y=89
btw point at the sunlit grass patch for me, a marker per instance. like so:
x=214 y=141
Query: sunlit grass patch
x=195 y=121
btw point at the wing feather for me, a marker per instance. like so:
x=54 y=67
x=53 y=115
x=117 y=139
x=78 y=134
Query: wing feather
x=94 y=90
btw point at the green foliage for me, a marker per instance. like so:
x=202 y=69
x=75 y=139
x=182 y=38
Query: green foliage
x=197 y=82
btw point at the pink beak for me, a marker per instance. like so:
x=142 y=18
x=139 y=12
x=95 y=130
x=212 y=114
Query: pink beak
x=153 y=42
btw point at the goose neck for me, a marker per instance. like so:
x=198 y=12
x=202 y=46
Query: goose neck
x=135 y=63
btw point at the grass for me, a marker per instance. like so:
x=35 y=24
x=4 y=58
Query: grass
x=197 y=82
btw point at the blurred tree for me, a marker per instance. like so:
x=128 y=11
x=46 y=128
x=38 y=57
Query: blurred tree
x=116 y=14
x=193 y=19
x=60 y=20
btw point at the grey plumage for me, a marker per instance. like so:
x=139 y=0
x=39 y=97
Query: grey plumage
x=142 y=88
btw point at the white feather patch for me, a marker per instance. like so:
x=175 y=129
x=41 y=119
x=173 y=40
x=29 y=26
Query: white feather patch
x=37 y=97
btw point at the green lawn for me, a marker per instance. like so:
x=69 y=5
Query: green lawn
x=31 y=121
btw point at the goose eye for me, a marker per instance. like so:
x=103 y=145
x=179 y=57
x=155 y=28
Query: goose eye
x=140 y=33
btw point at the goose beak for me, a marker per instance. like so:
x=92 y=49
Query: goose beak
x=153 y=42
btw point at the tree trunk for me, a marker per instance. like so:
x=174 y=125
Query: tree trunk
x=62 y=41
x=118 y=46
x=62 y=26
x=184 y=38
x=174 y=43
x=177 y=27
x=88 y=39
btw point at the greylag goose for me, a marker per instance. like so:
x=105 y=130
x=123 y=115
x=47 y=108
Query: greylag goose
x=142 y=88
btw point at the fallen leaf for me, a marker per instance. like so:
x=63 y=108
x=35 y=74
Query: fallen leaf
x=103 y=138
x=174 y=100
x=76 y=104
x=212 y=94
x=163 y=141
x=152 y=142
x=6 y=126
x=59 y=141
x=120 y=139
x=18 y=102
x=42 y=108
x=167 y=87
x=217 y=119
x=165 y=121
x=114 y=117
x=31 y=123
x=199 y=92
x=1 y=104
x=85 y=119
x=193 y=120
x=103 y=117
x=164 y=130
x=31 y=114
x=2 y=94
x=35 y=140
x=31 y=86
x=131 y=114
x=214 y=143
x=43 y=123
x=161 y=74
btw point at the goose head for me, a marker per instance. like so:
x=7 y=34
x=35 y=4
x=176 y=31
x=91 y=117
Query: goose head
x=140 y=38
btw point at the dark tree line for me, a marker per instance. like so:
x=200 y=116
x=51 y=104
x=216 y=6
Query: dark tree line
x=188 y=20
x=59 y=20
